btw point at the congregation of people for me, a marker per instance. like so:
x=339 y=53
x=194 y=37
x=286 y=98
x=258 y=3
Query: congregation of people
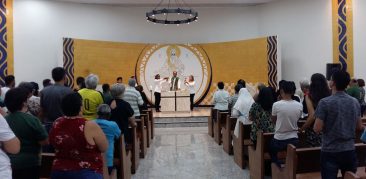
x=331 y=111
x=79 y=125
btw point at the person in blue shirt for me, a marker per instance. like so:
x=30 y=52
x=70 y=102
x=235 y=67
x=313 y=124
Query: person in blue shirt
x=111 y=131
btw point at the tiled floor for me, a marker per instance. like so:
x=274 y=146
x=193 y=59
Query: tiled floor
x=185 y=153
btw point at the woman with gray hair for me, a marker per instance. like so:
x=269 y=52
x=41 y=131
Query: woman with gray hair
x=91 y=97
x=111 y=131
x=121 y=111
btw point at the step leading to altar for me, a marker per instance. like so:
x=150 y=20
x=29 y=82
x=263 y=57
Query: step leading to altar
x=170 y=122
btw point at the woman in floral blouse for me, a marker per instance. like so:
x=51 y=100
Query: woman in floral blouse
x=260 y=113
x=78 y=143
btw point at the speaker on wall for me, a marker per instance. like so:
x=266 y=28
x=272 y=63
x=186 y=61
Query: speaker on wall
x=331 y=68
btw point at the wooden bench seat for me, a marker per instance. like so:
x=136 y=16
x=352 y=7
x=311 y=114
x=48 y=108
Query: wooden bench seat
x=142 y=135
x=305 y=162
x=210 y=122
x=146 y=115
x=218 y=124
x=122 y=159
x=258 y=154
x=46 y=164
x=241 y=143
x=134 y=148
x=227 y=138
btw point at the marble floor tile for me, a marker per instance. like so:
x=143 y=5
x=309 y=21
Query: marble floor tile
x=185 y=153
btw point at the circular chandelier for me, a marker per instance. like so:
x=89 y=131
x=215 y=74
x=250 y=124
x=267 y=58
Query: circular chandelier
x=168 y=15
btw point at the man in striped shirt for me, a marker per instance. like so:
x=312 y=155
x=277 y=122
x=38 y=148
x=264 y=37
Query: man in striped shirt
x=133 y=97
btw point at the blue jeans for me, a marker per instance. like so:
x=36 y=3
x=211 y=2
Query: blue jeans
x=331 y=162
x=278 y=146
x=81 y=174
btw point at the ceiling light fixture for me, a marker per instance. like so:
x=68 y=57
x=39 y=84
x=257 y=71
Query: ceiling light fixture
x=183 y=13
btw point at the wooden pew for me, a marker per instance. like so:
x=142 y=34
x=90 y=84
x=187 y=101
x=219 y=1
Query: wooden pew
x=300 y=162
x=241 y=144
x=227 y=138
x=122 y=159
x=210 y=122
x=258 y=154
x=148 y=121
x=46 y=164
x=151 y=118
x=134 y=147
x=147 y=124
x=218 y=123
x=142 y=135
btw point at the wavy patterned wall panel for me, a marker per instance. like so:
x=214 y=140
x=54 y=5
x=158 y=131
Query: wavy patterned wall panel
x=343 y=34
x=6 y=39
x=69 y=60
x=272 y=60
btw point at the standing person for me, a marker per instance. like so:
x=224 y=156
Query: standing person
x=140 y=89
x=157 y=91
x=9 y=83
x=304 y=86
x=285 y=113
x=80 y=82
x=234 y=97
x=221 y=98
x=10 y=144
x=111 y=131
x=361 y=84
x=52 y=95
x=46 y=82
x=119 y=80
x=354 y=90
x=174 y=82
x=260 y=113
x=33 y=103
x=242 y=83
x=338 y=116
x=78 y=143
x=31 y=133
x=107 y=94
x=190 y=84
x=318 y=90
x=91 y=97
x=241 y=109
x=133 y=97
x=121 y=110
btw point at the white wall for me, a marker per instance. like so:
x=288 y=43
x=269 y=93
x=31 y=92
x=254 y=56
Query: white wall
x=359 y=36
x=304 y=28
x=39 y=27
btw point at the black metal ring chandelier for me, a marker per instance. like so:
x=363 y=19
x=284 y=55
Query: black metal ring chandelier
x=189 y=14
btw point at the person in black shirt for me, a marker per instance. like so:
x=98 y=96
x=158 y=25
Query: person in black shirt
x=121 y=111
x=140 y=89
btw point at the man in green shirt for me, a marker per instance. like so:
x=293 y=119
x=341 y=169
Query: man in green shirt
x=354 y=90
x=30 y=132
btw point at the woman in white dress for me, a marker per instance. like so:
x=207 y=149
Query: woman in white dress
x=241 y=109
x=190 y=84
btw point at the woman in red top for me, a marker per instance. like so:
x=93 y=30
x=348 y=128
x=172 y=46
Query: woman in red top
x=78 y=143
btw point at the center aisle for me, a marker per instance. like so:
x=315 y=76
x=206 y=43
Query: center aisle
x=184 y=153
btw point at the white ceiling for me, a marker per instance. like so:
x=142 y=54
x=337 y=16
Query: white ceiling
x=155 y=2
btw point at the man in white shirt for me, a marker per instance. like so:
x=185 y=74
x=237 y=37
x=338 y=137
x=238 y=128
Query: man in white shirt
x=8 y=143
x=9 y=83
x=157 y=91
x=174 y=82
x=285 y=113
